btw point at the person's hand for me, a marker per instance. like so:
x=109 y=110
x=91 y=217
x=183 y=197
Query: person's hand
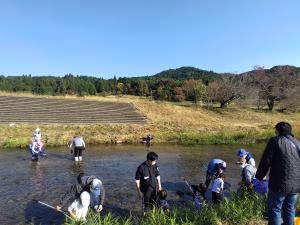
x=141 y=195
x=99 y=208
x=58 y=208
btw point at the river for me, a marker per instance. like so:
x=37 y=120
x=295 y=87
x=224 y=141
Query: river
x=22 y=181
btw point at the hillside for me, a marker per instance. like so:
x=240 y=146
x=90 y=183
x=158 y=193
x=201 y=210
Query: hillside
x=186 y=73
x=168 y=122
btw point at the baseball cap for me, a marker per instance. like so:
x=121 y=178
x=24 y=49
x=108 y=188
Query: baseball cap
x=242 y=152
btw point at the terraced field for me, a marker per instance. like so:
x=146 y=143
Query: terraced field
x=25 y=110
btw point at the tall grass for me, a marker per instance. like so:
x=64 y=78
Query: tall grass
x=238 y=209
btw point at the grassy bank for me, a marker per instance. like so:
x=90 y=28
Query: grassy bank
x=238 y=209
x=168 y=122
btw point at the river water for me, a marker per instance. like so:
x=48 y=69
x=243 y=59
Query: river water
x=22 y=181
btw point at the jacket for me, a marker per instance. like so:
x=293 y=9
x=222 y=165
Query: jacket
x=282 y=158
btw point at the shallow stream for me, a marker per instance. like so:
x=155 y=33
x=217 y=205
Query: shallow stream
x=47 y=180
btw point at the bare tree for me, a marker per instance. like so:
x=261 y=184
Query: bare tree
x=225 y=90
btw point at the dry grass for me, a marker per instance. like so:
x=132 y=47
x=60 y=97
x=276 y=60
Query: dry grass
x=169 y=122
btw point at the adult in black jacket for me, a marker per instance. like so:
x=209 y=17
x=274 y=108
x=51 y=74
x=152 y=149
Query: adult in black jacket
x=148 y=181
x=282 y=158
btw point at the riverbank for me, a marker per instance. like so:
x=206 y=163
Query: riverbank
x=168 y=122
x=238 y=209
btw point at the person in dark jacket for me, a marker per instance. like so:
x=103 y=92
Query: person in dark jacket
x=92 y=185
x=282 y=158
x=148 y=182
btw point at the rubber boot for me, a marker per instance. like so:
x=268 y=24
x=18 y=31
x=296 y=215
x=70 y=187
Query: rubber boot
x=80 y=158
x=76 y=159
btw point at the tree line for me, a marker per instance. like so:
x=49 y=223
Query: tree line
x=278 y=86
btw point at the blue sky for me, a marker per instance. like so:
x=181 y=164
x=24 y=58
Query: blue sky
x=139 y=37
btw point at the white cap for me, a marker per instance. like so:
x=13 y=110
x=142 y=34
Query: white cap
x=85 y=198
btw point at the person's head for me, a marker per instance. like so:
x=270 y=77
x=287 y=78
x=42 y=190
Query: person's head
x=151 y=158
x=222 y=176
x=202 y=188
x=37 y=130
x=163 y=194
x=283 y=128
x=221 y=167
x=85 y=199
x=242 y=153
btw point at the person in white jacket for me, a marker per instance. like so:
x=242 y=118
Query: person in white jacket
x=79 y=208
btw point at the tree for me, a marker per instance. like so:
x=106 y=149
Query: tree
x=225 y=90
x=195 y=90
x=178 y=95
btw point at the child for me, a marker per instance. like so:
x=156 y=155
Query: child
x=217 y=189
x=199 y=194
x=79 y=208
x=162 y=201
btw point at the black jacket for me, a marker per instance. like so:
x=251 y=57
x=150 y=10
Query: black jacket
x=282 y=158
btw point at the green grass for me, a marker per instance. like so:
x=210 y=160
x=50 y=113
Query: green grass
x=238 y=209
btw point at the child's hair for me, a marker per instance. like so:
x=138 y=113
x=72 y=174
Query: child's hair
x=221 y=175
x=202 y=188
x=163 y=194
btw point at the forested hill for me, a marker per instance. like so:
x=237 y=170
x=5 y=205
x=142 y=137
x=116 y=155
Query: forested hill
x=187 y=73
x=260 y=86
x=276 y=71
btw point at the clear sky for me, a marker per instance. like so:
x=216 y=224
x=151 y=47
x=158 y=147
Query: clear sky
x=144 y=37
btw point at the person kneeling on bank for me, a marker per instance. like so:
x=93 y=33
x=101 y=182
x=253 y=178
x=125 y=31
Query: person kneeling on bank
x=92 y=185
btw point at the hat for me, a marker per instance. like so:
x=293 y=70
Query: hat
x=242 y=152
x=85 y=198
x=222 y=165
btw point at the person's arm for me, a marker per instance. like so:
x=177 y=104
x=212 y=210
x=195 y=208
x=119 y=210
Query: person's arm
x=159 y=183
x=83 y=143
x=138 y=176
x=70 y=210
x=138 y=188
x=265 y=162
x=222 y=186
x=101 y=200
x=157 y=175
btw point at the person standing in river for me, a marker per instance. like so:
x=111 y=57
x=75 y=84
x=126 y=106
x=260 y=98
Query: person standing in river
x=282 y=158
x=79 y=146
x=148 y=181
